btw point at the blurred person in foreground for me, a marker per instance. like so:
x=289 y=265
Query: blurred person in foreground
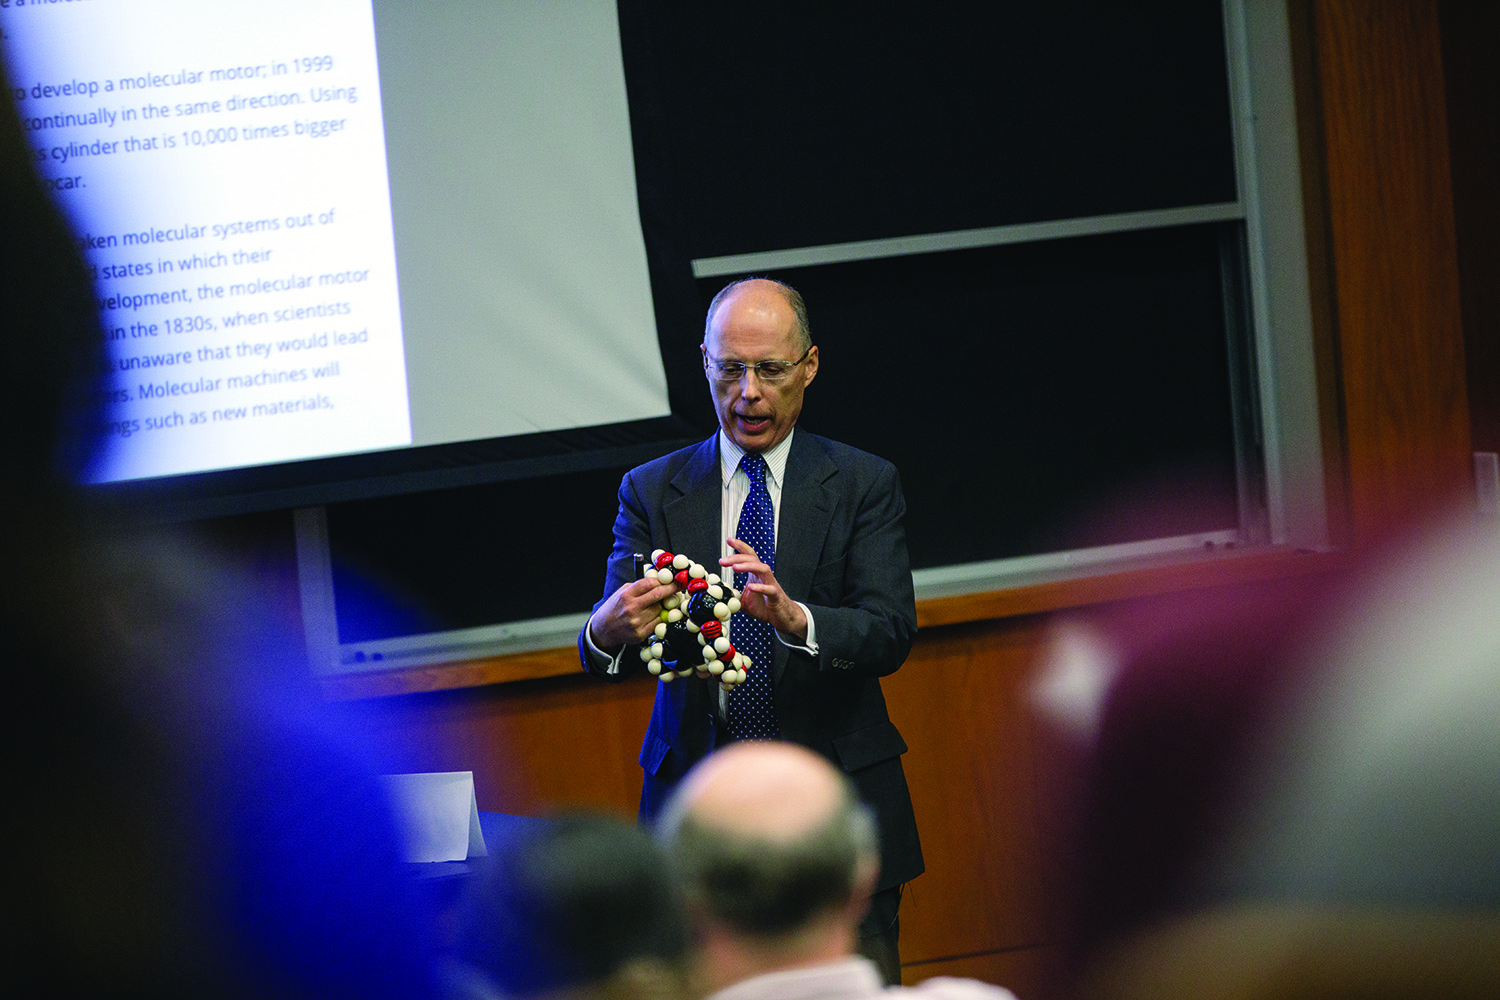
x=1293 y=790
x=185 y=820
x=576 y=907
x=778 y=859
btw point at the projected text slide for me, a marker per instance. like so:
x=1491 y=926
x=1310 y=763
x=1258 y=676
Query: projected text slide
x=224 y=167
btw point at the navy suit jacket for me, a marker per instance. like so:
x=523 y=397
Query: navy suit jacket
x=840 y=550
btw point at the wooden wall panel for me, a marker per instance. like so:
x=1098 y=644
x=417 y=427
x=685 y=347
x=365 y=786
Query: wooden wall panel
x=532 y=745
x=1394 y=258
x=960 y=701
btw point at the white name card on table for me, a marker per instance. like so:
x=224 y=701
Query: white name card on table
x=438 y=814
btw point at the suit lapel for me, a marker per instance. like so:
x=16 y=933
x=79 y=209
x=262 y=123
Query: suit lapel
x=693 y=517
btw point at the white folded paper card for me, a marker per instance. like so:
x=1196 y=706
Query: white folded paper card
x=438 y=814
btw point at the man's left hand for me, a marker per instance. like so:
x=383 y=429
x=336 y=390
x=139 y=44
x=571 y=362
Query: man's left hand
x=761 y=596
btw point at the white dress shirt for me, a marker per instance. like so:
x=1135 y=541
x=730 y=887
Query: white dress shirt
x=853 y=978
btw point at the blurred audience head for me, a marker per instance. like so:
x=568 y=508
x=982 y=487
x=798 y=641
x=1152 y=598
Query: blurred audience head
x=193 y=821
x=186 y=819
x=777 y=857
x=1292 y=789
x=576 y=906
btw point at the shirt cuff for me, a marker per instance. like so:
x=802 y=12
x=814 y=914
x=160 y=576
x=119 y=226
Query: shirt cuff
x=810 y=644
x=606 y=663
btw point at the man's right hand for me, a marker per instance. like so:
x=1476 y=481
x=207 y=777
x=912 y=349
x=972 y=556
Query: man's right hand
x=630 y=613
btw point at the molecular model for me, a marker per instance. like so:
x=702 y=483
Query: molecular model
x=691 y=631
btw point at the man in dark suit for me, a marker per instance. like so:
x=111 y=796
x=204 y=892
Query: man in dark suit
x=837 y=588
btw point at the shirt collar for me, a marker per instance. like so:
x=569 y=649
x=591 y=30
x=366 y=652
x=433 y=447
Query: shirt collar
x=731 y=453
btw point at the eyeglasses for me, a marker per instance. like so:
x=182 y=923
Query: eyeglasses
x=766 y=371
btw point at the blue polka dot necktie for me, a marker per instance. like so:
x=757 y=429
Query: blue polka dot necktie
x=751 y=714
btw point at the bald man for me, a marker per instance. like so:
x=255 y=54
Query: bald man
x=777 y=860
x=835 y=586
